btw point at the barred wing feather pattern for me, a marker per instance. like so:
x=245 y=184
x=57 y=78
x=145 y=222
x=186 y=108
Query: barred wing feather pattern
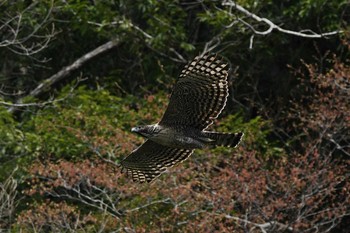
x=200 y=94
x=151 y=159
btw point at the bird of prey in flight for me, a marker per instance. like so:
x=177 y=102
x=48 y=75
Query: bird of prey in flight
x=197 y=99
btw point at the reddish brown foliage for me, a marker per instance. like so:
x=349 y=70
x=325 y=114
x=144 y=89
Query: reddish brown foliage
x=302 y=193
x=54 y=217
x=322 y=112
x=69 y=174
x=235 y=193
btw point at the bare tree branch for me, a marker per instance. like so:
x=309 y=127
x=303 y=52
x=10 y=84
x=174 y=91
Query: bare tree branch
x=307 y=33
x=64 y=72
x=304 y=33
x=8 y=195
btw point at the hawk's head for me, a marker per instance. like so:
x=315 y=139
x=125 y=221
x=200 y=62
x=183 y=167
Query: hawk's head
x=146 y=131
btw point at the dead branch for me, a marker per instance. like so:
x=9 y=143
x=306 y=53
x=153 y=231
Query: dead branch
x=307 y=33
x=64 y=72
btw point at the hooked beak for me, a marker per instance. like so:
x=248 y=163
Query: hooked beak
x=136 y=130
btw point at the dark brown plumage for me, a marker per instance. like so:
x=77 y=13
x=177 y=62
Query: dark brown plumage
x=197 y=99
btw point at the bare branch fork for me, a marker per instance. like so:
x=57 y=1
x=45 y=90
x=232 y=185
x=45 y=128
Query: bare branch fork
x=272 y=26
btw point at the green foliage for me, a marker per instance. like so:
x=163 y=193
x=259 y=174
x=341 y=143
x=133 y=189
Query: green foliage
x=257 y=134
x=99 y=17
x=327 y=13
x=73 y=128
x=9 y=136
x=15 y=144
x=67 y=128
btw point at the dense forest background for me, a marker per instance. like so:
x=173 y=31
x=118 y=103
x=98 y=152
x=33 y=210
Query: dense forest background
x=75 y=76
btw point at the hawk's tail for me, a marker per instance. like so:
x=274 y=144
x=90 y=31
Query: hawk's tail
x=215 y=139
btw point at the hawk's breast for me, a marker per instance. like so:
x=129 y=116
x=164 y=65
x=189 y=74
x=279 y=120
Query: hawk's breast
x=171 y=137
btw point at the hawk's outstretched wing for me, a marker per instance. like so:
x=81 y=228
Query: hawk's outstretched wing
x=200 y=94
x=151 y=159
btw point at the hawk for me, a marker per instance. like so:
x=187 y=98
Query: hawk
x=197 y=99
